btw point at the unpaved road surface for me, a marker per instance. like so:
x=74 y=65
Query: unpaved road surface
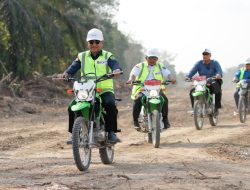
x=33 y=153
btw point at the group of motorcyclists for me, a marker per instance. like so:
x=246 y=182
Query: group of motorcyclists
x=98 y=61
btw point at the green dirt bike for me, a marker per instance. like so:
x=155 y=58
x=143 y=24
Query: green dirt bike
x=150 y=116
x=89 y=125
x=244 y=100
x=204 y=101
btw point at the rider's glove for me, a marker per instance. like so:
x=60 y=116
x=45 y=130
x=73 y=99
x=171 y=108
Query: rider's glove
x=218 y=76
x=66 y=76
x=116 y=72
x=235 y=80
x=173 y=81
x=129 y=81
x=187 y=79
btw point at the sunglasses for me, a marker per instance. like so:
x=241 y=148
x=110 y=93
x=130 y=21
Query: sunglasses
x=153 y=57
x=94 y=41
x=205 y=54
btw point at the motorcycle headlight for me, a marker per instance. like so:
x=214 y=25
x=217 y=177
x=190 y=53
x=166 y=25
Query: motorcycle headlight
x=243 y=85
x=153 y=93
x=82 y=94
x=200 y=88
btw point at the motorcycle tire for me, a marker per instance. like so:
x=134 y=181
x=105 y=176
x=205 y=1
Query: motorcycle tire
x=107 y=154
x=81 y=150
x=198 y=115
x=156 y=128
x=242 y=109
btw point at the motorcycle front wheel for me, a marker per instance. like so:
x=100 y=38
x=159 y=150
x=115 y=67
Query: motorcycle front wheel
x=81 y=149
x=156 y=128
x=242 y=109
x=198 y=114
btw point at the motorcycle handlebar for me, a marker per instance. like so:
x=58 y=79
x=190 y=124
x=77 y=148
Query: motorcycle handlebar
x=98 y=79
x=191 y=79
x=138 y=82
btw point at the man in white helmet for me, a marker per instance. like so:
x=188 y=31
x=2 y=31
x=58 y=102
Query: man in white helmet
x=150 y=69
x=96 y=60
x=243 y=73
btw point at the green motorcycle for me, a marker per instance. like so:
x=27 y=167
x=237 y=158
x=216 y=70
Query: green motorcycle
x=89 y=124
x=204 y=104
x=244 y=99
x=150 y=116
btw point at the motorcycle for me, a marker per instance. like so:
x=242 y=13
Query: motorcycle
x=89 y=124
x=204 y=101
x=150 y=115
x=244 y=100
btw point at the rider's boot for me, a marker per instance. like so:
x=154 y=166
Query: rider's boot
x=166 y=123
x=136 y=125
x=113 y=138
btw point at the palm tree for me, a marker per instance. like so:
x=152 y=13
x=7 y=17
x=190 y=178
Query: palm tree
x=44 y=35
x=40 y=30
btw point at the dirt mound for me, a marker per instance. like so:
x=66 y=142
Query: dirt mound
x=30 y=96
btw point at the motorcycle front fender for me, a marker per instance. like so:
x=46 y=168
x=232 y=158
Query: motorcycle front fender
x=242 y=92
x=80 y=106
x=198 y=93
x=154 y=101
x=155 y=104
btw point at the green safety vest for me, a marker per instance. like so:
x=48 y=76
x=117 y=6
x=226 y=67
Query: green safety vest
x=242 y=71
x=98 y=66
x=157 y=72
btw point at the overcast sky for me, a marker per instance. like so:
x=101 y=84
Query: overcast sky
x=186 y=27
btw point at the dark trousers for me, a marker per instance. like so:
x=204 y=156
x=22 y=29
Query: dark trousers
x=217 y=97
x=236 y=97
x=138 y=104
x=108 y=102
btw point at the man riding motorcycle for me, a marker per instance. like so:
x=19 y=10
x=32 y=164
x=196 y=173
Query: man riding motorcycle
x=148 y=70
x=209 y=68
x=243 y=73
x=98 y=61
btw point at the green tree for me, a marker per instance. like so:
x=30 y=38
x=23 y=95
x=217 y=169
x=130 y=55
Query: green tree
x=46 y=35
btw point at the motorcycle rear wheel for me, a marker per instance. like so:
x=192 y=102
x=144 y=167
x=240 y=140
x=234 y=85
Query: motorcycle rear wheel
x=107 y=154
x=81 y=149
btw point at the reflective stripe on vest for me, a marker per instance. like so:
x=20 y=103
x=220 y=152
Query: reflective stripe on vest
x=242 y=71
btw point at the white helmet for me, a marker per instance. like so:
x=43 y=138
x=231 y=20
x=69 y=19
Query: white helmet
x=247 y=61
x=94 y=34
x=153 y=52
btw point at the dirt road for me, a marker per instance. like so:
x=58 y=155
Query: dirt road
x=33 y=153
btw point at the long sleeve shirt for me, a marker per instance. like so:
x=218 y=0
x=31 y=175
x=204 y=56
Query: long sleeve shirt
x=76 y=64
x=208 y=70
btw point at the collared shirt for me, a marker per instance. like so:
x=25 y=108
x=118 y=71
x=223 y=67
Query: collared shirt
x=165 y=72
x=76 y=64
x=208 y=70
x=245 y=76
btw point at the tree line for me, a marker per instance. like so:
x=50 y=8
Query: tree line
x=46 y=35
